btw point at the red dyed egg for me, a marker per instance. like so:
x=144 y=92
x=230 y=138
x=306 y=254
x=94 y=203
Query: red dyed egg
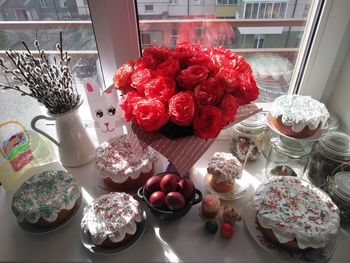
x=157 y=199
x=175 y=200
x=169 y=183
x=186 y=188
x=153 y=184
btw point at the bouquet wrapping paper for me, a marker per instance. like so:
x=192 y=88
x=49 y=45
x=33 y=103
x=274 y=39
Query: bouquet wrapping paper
x=183 y=152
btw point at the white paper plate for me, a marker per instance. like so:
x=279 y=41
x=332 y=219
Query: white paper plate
x=41 y=230
x=240 y=188
x=89 y=245
x=310 y=255
x=317 y=136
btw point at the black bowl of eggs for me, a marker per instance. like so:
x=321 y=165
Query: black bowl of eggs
x=169 y=196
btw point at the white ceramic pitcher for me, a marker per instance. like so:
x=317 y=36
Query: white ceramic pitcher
x=74 y=145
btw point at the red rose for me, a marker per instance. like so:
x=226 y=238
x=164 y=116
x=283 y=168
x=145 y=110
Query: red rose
x=200 y=59
x=248 y=90
x=140 y=77
x=229 y=78
x=150 y=114
x=160 y=88
x=183 y=51
x=128 y=102
x=209 y=91
x=182 y=108
x=229 y=107
x=189 y=78
x=122 y=77
x=222 y=57
x=207 y=122
x=241 y=65
x=168 y=68
x=155 y=55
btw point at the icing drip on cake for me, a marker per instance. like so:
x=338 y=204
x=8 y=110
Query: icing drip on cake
x=293 y=208
x=300 y=111
x=224 y=166
x=44 y=195
x=116 y=159
x=113 y=215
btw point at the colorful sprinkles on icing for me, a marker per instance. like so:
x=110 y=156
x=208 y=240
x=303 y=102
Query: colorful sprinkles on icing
x=113 y=215
x=293 y=208
x=44 y=195
x=116 y=159
x=224 y=166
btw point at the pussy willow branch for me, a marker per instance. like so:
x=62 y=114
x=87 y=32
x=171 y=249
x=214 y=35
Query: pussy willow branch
x=50 y=84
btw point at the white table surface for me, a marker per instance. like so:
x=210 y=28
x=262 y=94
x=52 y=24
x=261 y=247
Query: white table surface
x=182 y=240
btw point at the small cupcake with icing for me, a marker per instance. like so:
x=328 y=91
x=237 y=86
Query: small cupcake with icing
x=46 y=199
x=210 y=205
x=112 y=219
x=224 y=168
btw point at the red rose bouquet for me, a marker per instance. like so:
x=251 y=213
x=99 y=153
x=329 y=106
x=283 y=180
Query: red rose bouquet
x=185 y=90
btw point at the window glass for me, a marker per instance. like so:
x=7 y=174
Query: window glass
x=78 y=38
x=283 y=9
x=255 y=10
x=271 y=49
x=262 y=7
x=248 y=10
x=268 y=11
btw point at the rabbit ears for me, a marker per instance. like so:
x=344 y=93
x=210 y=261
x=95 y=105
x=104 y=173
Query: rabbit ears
x=96 y=97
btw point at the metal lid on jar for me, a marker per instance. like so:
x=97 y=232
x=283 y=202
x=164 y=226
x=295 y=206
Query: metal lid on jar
x=293 y=148
x=253 y=124
x=341 y=185
x=337 y=143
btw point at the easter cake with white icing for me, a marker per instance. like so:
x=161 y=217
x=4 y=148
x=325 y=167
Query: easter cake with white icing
x=46 y=199
x=295 y=214
x=120 y=167
x=224 y=168
x=298 y=116
x=112 y=219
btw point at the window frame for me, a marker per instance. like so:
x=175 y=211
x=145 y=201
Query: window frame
x=114 y=51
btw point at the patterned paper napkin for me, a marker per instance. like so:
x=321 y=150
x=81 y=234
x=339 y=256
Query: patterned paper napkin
x=184 y=152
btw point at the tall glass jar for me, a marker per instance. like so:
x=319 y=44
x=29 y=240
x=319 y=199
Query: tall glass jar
x=338 y=188
x=329 y=155
x=247 y=136
x=287 y=157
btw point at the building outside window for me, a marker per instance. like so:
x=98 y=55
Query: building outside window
x=149 y=8
x=43 y=4
x=249 y=39
x=63 y=3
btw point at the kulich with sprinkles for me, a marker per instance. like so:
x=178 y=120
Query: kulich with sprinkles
x=295 y=214
x=46 y=199
x=119 y=166
x=112 y=219
x=224 y=168
x=298 y=116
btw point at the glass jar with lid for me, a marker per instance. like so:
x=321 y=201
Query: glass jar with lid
x=332 y=122
x=287 y=157
x=247 y=136
x=338 y=188
x=329 y=155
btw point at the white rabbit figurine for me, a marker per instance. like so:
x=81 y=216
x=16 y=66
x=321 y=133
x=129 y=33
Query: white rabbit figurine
x=104 y=111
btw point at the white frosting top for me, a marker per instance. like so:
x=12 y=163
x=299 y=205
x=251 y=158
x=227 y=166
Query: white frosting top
x=44 y=195
x=112 y=215
x=300 y=111
x=224 y=167
x=116 y=159
x=293 y=208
